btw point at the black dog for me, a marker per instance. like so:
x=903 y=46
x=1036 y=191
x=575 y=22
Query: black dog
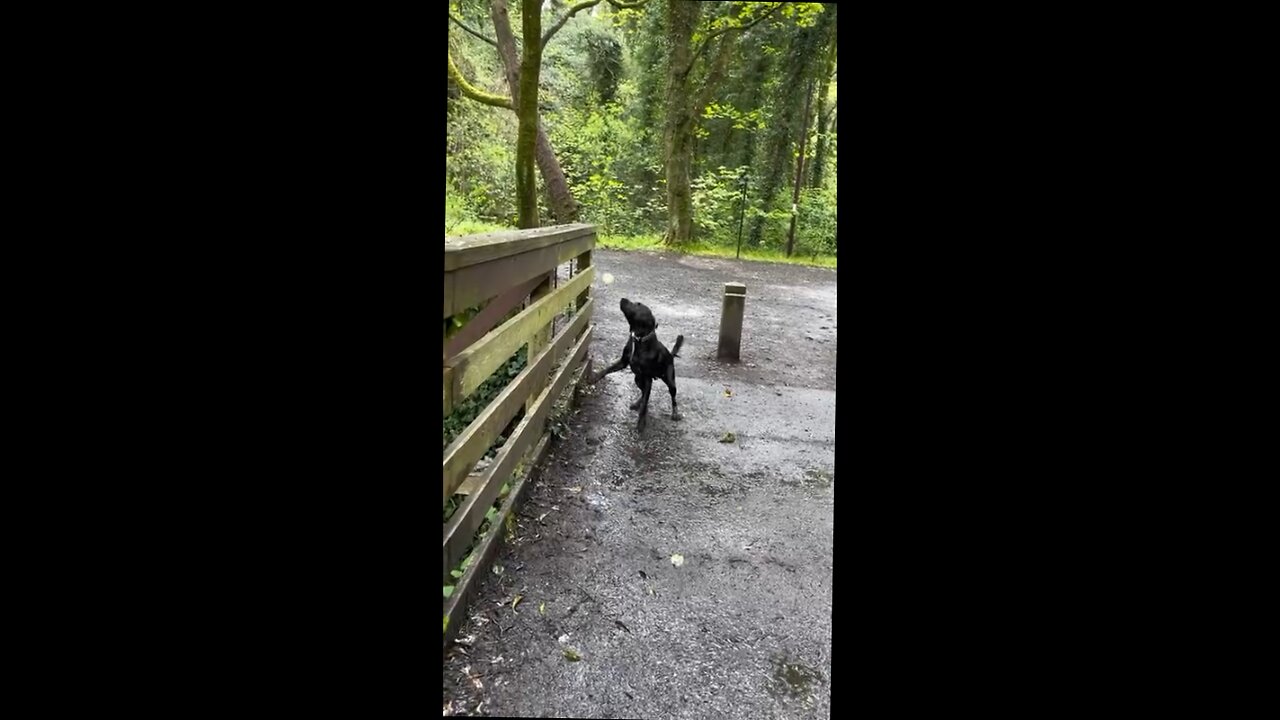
x=647 y=357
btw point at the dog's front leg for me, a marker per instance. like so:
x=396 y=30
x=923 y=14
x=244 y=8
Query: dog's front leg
x=621 y=364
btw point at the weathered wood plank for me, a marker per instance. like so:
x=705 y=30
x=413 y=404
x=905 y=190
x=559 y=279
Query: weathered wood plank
x=473 y=366
x=464 y=592
x=467 y=449
x=583 y=262
x=476 y=283
x=462 y=526
x=469 y=484
x=448 y=391
x=540 y=340
x=483 y=322
x=448 y=295
x=460 y=252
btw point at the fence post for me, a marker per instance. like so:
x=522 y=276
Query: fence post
x=581 y=263
x=537 y=343
x=731 y=314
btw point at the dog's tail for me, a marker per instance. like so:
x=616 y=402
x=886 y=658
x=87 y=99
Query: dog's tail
x=675 y=350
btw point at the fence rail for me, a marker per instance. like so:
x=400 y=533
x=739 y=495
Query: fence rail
x=515 y=272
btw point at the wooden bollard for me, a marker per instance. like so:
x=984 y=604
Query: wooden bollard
x=731 y=312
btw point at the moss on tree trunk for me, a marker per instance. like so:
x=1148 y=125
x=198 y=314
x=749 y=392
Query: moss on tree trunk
x=527 y=113
x=682 y=16
x=563 y=206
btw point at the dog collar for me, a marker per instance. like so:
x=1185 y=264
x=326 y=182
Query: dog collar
x=637 y=338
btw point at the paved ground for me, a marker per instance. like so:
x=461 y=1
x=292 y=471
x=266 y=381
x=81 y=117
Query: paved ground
x=742 y=628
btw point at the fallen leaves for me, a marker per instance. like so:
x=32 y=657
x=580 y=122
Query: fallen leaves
x=677 y=560
x=728 y=438
x=516 y=602
x=475 y=679
x=570 y=654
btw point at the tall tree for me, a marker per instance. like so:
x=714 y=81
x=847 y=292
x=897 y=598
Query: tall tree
x=803 y=56
x=527 y=113
x=682 y=18
x=683 y=101
x=563 y=206
x=532 y=144
x=795 y=196
x=824 y=116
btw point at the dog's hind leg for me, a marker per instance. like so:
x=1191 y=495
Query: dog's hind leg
x=644 y=402
x=670 y=380
x=640 y=384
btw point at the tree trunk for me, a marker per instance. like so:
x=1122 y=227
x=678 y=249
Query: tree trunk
x=795 y=194
x=682 y=17
x=563 y=206
x=527 y=113
x=754 y=82
x=804 y=55
x=823 y=116
x=710 y=83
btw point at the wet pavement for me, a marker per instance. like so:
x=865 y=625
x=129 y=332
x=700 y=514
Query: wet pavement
x=690 y=577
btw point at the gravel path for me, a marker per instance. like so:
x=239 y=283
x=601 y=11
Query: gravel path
x=741 y=627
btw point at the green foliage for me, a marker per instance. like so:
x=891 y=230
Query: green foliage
x=479 y=167
x=604 y=62
x=717 y=202
x=816 y=225
x=602 y=104
x=751 y=120
x=804 y=14
x=467 y=410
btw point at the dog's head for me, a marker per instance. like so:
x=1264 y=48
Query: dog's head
x=638 y=317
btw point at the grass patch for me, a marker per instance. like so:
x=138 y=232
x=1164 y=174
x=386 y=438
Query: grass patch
x=471 y=227
x=762 y=255
x=633 y=242
x=654 y=243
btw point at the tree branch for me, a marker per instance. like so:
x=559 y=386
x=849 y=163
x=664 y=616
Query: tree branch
x=706 y=41
x=709 y=83
x=475 y=93
x=458 y=21
x=586 y=5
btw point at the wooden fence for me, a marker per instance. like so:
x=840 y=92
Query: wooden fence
x=508 y=269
